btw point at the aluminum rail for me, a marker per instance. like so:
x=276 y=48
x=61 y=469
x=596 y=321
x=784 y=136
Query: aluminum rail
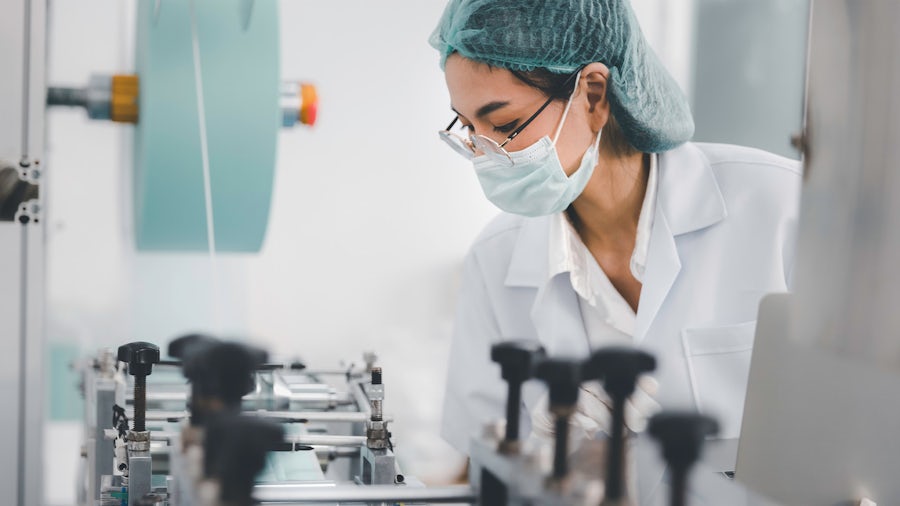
x=310 y=416
x=288 y=494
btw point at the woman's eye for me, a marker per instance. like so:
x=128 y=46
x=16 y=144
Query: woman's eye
x=507 y=128
x=468 y=128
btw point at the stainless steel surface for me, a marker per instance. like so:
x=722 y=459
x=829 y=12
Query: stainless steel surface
x=832 y=437
x=100 y=449
x=379 y=466
x=375 y=493
x=139 y=476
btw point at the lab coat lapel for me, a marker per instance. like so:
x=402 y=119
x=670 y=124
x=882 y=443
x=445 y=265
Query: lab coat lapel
x=555 y=313
x=688 y=199
x=556 y=316
x=663 y=266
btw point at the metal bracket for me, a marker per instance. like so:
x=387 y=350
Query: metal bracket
x=29 y=212
x=30 y=171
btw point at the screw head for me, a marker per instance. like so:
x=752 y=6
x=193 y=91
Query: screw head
x=517 y=358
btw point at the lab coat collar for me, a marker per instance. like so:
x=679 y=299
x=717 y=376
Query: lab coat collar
x=688 y=197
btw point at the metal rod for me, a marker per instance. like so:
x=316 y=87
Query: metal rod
x=309 y=416
x=324 y=397
x=325 y=440
x=313 y=416
x=72 y=97
x=290 y=495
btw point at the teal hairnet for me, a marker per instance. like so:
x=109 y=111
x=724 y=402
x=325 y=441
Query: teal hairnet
x=562 y=35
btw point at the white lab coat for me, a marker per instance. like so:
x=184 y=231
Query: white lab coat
x=723 y=236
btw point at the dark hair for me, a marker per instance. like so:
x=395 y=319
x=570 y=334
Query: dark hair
x=554 y=85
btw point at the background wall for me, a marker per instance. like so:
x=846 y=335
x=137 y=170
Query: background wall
x=370 y=219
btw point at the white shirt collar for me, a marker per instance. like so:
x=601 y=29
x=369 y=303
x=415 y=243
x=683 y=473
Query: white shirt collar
x=569 y=254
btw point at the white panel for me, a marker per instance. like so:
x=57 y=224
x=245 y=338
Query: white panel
x=10 y=310
x=848 y=276
x=35 y=373
x=12 y=36
x=821 y=417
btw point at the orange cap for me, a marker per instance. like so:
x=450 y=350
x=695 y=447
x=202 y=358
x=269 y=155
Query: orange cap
x=123 y=106
x=309 y=104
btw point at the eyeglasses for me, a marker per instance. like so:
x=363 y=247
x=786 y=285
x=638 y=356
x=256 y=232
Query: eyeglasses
x=468 y=147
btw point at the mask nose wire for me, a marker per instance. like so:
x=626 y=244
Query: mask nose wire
x=562 y=121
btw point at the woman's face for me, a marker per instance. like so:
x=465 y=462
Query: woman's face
x=492 y=102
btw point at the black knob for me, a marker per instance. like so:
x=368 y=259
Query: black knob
x=517 y=360
x=235 y=450
x=220 y=371
x=140 y=357
x=179 y=346
x=563 y=378
x=681 y=435
x=618 y=368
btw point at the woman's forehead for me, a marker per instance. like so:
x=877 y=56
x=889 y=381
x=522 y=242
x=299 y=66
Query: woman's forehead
x=472 y=85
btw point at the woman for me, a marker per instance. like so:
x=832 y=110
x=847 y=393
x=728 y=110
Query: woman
x=616 y=229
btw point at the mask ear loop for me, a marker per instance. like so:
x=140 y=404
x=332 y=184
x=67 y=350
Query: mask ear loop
x=562 y=121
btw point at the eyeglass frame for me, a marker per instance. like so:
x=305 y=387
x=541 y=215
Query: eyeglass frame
x=470 y=142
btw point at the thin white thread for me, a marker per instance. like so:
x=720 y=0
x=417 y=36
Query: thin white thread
x=207 y=190
x=562 y=120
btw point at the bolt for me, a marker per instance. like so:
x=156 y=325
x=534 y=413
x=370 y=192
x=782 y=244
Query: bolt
x=377 y=395
x=140 y=357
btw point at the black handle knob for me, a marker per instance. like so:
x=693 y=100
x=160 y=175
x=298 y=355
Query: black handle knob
x=235 y=450
x=681 y=435
x=179 y=346
x=517 y=359
x=140 y=357
x=223 y=370
x=563 y=378
x=618 y=368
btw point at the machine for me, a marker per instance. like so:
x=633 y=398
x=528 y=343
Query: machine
x=243 y=429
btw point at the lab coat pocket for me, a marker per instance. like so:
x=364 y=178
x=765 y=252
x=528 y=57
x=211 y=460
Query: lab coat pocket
x=718 y=360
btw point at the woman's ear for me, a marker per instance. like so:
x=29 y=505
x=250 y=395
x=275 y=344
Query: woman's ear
x=595 y=76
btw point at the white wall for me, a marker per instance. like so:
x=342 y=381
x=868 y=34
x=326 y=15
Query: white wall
x=370 y=219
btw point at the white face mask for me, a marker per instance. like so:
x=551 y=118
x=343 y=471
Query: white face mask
x=536 y=184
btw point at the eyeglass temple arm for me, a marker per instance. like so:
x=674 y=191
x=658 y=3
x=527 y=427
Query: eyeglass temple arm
x=538 y=112
x=527 y=122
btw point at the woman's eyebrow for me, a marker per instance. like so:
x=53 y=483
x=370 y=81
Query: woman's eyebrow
x=489 y=108
x=485 y=109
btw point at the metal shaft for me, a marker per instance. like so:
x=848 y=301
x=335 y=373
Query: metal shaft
x=285 y=495
x=561 y=450
x=615 y=488
x=513 y=402
x=140 y=403
x=679 y=487
x=73 y=97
